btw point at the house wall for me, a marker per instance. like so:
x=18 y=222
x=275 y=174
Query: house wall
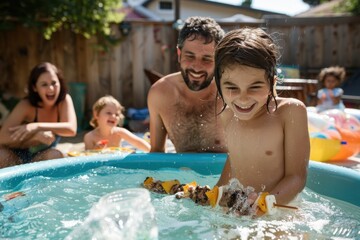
x=194 y=8
x=309 y=44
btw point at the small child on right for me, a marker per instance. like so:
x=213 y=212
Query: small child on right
x=107 y=115
x=329 y=97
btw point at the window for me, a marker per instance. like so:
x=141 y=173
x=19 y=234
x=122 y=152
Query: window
x=165 y=5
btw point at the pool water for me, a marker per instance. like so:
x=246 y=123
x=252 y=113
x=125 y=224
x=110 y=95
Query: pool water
x=54 y=206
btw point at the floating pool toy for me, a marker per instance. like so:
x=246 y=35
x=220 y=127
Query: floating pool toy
x=234 y=197
x=109 y=150
x=13 y=195
x=102 y=143
x=13 y=202
x=266 y=203
x=334 y=134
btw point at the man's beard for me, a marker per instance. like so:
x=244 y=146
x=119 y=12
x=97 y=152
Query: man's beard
x=194 y=85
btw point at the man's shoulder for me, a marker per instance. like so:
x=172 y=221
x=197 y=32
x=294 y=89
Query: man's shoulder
x=166 y=85
x=168 y=79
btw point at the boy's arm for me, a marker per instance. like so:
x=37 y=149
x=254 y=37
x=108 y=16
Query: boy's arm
x=296 y=152
x=225 y=175
x=225 y=118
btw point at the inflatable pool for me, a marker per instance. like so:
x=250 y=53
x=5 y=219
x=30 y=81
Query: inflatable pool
x=38 y=206
x=334 y=134
x=330 y=180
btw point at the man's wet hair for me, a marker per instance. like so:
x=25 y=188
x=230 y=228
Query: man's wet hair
x=200 y=27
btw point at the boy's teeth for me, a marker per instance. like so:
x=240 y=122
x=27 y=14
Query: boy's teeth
x=245 y=107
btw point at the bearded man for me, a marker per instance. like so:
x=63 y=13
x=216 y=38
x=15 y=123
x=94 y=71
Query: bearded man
x=184 y=106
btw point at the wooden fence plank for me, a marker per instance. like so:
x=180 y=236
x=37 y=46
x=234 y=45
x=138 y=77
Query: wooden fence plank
x=138 y=67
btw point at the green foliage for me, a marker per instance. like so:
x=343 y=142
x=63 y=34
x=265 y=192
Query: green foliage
x=346 y=6
x=86 y=17
x=246 y=3
x=352 y=6
x=312 y=2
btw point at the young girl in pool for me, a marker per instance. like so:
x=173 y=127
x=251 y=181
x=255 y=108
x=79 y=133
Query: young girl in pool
x=329 y=97
x=107 y=115
x=34 y=126
x=267 y=136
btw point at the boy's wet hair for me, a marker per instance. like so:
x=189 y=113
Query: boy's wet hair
x=196 y=27
x=100 y=105
x=35 y=73
x=338 y=72
x=251 y=47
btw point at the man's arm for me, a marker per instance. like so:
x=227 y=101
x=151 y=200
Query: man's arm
x=158 y=131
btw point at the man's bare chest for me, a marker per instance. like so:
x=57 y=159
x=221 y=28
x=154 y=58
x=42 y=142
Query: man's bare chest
x=194 y=128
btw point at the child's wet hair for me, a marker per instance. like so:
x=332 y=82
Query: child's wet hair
x=35 y=73
x=338 y=72
x=252 y=47
x=100 y=105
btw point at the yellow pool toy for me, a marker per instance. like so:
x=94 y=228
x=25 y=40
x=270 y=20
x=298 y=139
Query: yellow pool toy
x=322 y=149
x=325 y=149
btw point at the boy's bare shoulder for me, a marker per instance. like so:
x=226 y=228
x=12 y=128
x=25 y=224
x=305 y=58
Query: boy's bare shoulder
x=286 y=103
x=290 y=108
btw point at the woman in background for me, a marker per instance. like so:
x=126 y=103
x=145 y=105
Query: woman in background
x=33 y=128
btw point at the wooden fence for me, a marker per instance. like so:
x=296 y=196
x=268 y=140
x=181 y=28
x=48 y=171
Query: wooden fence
x=309 y=43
